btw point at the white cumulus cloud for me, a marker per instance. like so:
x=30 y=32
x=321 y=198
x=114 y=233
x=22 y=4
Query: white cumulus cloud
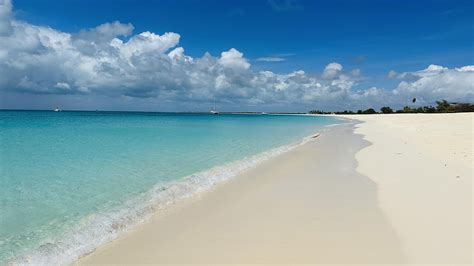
x=438 y=82
x=392 y=74
x=234 y=59
x=111 y=60
x=331 y=70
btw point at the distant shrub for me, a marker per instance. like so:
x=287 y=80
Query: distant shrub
x=317 y=112
x=407 y=109
x=443 y=106
x=386 y=110
x=369 y=111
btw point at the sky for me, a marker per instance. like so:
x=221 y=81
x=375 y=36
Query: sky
x=269 y=55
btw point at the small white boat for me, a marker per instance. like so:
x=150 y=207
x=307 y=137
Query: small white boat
x=263 y=113
x=213 y=110
x=57 y=109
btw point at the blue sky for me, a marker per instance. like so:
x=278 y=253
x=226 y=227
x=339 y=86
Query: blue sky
x=375 y=35
x=371 y=36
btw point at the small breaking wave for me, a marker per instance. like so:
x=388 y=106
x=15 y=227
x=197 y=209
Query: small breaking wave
x=99 y=228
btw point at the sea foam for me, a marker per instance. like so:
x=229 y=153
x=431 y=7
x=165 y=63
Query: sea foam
x=100 y=228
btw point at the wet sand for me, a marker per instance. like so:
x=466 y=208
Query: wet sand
x=309 y=205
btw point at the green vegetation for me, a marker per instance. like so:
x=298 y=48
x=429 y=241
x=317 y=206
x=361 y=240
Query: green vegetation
x=386 y=110
x=442 y=106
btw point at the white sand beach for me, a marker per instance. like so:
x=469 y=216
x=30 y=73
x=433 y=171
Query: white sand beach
x=422 y=165
x=398 y=190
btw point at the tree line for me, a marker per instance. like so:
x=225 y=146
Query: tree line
x=442 y=106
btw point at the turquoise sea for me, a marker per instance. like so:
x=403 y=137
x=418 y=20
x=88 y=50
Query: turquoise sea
x=70 y=181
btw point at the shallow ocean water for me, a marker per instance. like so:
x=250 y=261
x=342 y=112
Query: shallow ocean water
x=73 y=180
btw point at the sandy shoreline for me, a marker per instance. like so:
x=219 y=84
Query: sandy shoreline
x=337 y=199
x=424 y=178
x=304 y=206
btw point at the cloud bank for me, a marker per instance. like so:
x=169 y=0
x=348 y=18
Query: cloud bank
x=110 y=60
